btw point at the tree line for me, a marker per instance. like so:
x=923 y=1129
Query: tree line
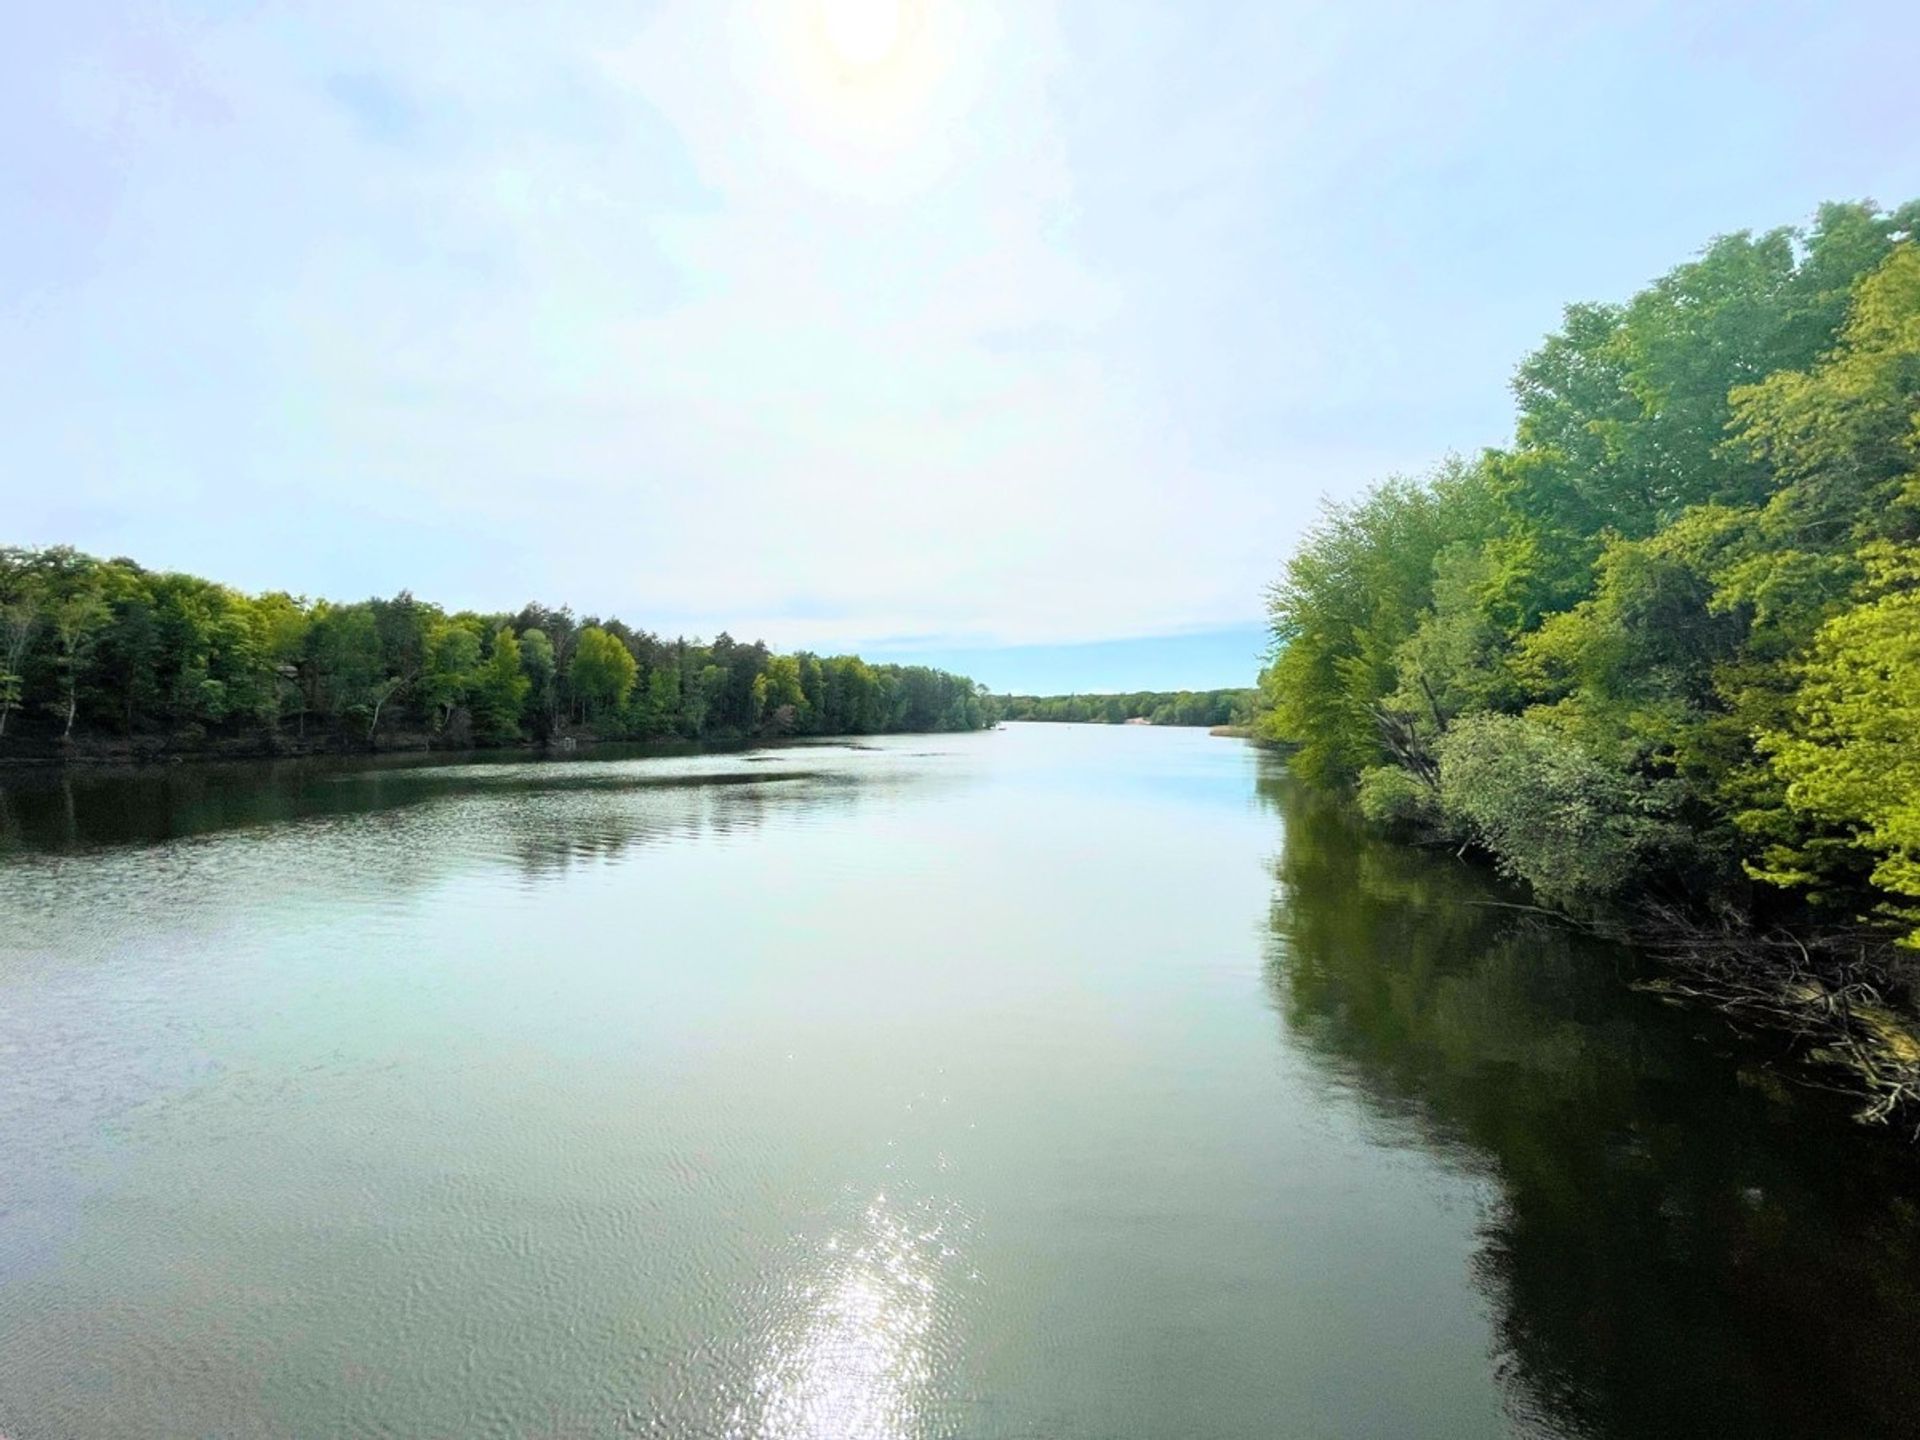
x=1157 y=707
x=1665 y=646
x=98 y=650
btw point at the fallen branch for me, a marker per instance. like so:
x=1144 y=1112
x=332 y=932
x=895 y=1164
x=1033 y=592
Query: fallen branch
x=1835 y=996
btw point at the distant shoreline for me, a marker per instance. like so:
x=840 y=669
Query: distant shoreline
x=98 y=757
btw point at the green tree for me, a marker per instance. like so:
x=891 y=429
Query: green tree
x=662 y=711
x=501 y=687
x=1648 y=646
x=603 y=672
x=99 y=645
x=77 y=623
x=1850 y=752
x=1353 y=593
x=19 y=618
x=452 y=670
x=1841 y=435
x=538 y=660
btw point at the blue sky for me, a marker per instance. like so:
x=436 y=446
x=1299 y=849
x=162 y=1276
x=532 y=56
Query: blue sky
x=1209 y=659
x=1048 y=328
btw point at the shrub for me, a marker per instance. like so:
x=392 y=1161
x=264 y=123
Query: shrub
x=1396 y=800
x=1554 y=815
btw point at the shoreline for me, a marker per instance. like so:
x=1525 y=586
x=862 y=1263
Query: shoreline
x=1842 y=997
x=136 y=756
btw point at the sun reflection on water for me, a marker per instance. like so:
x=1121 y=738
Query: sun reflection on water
x=855 y=1350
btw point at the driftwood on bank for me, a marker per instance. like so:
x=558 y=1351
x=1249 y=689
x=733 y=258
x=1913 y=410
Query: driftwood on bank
x=1840 y=996
x=1845 y=998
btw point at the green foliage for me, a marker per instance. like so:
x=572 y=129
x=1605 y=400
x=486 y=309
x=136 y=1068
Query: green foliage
x=1352 y=595
x=77 y=622
x=1457 y=660
x=452 y=671
x=1624 y=413
x=1668 y=635
x=1396 y=800
x=502 y=686
x=1850 y=750
x=1576 y=828
x=603 y=672
x=1183 y=707
x=102 y=649
x=19 y=619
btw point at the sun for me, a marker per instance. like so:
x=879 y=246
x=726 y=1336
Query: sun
x=867 y=81
x=862 y=33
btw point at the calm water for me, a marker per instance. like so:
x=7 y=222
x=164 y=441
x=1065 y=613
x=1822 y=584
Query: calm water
x=1058 y=1082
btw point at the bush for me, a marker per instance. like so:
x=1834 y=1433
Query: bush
x=1398 y=801
x=1553 y=814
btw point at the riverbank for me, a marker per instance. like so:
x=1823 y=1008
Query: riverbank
x=156 y=751
x=1196 y=708
x=94 y=751
x=1657 y=657
x=1846 y=999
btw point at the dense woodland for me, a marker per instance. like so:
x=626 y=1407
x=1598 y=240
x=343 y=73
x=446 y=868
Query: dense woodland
x=1183 y=707
x=1664 y=648
x=106 y=654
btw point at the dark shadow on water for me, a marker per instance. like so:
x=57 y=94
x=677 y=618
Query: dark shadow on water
x=1683 y=1245
x=78 y=810
x=394 y=826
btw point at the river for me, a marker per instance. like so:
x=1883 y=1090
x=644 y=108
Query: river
x=1054 y=1082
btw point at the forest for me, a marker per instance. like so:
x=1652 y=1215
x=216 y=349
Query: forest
x=1663 y=650
x=104 y=656
x=1183 y=707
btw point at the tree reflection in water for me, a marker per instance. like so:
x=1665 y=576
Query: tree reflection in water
x=1683 y=1246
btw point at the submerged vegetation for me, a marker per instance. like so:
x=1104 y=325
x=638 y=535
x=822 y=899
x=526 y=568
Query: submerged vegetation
x=1663 y=650
x=103 y=654
x=1183 y=707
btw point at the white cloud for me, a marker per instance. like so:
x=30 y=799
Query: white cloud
x=1054 y=326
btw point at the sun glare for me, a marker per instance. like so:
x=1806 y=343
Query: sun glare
x=872 y=86
x=862 y=33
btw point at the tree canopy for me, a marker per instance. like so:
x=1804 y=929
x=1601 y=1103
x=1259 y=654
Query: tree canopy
x=1156 y=707
x=1667 y=641
x=96 y=650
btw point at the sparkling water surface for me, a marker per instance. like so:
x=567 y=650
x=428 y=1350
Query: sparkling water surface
x=1052 y=1082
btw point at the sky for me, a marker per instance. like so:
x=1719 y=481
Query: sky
x=1028 y=335
x=1210 y=658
